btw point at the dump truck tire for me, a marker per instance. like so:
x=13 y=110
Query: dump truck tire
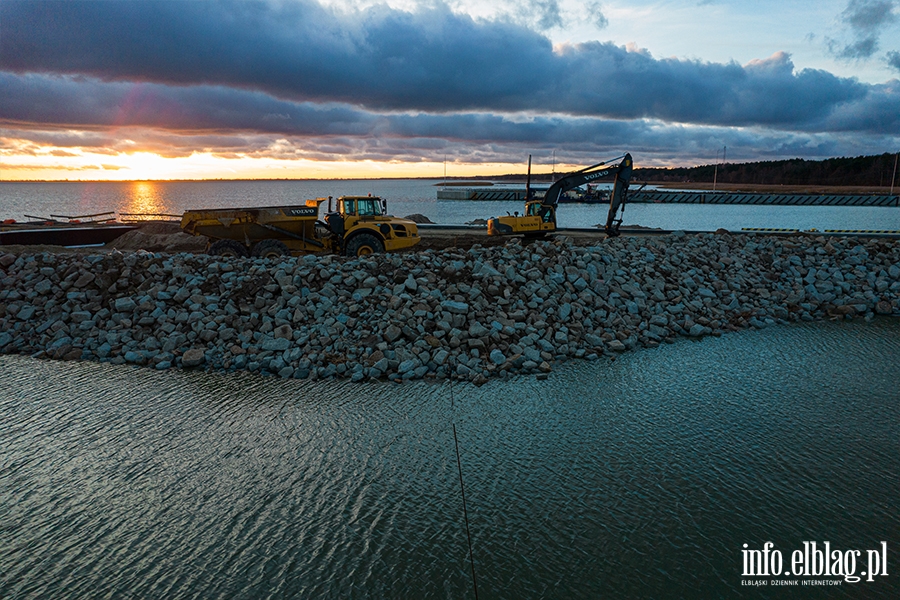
x=364 y=244
x=270 y=249
x=228 y=249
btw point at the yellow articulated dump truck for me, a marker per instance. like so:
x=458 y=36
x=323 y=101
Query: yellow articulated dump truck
x=358 y=227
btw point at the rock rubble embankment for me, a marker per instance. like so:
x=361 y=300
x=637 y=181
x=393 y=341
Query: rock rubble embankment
x=470 y=314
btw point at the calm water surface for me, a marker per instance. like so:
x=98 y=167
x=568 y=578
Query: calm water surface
x=641 y=477
x=407 y=197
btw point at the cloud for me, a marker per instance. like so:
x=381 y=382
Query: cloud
x=865 y=16
x=56 y=167
x=650 y=143
x=595 y=9
x=383 y=59
x=865 y=19
x=300 y=80
x=378 y=57
x=90 y=104
x=547 y=13
x=893 y=60
x=90 y=116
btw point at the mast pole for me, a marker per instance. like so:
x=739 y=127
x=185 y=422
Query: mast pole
x=894 y=174
x=716 y=170
x=528 y=181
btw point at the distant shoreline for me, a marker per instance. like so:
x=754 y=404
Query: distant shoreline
x=222 y=180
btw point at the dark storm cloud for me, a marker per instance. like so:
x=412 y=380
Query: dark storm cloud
x=299 y=50
x=878 y=114
x=88 y=103
x=41 y=101
x=383 y=59
x=66 y=103
x=65 y=113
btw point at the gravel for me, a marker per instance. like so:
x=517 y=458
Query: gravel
x=470 y=314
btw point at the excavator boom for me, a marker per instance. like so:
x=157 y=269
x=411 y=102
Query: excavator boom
x=586 y=175
x=541 y=219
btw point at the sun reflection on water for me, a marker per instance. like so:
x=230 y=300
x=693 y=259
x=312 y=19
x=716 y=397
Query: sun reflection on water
x=146 y=198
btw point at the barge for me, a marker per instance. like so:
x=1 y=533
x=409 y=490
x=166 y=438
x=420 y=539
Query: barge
x=84 y=230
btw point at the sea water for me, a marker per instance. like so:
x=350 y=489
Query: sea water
x=410 y=196
x=648 y=476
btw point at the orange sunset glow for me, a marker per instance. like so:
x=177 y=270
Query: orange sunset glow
x=79 y=165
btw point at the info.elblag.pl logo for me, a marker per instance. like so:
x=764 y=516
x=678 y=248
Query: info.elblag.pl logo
x=826 y=565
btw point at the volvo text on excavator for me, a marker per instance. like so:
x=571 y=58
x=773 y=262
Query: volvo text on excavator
x=540 y=214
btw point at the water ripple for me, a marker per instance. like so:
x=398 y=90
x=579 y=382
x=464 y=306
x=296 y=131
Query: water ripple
x=639 y=477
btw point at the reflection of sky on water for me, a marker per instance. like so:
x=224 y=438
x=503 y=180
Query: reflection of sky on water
x=635 y=478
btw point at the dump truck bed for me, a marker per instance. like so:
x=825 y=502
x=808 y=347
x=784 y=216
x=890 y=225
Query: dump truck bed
x=290 y=224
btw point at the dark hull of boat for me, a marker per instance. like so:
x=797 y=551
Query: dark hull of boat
x=62 y=235
x=592 y=200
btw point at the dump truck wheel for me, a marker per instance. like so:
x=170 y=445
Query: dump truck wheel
x=228 y=249
x=270 y=249
x=364 y=244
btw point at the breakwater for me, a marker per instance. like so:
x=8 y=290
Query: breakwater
x=470 y=314
x=688 y=197
x=484 y=193
x=707 y=197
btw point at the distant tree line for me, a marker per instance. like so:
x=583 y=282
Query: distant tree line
x=858 y=171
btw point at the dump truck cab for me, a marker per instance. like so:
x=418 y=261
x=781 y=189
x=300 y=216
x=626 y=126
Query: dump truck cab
x=362 y=206
x=362 y=226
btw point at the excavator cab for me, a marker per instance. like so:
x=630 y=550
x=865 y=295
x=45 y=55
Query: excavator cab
x=535 y=208
x=538 y=220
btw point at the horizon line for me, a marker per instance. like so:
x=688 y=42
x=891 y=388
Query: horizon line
x=232 y=179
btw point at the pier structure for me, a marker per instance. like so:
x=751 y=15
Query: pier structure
x=689 y=197
x=706 y=197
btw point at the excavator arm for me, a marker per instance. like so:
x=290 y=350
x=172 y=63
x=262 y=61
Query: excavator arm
x=622 y=174
x=540 y=216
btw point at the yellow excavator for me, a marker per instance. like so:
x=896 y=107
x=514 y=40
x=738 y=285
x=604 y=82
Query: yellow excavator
x=540 y=214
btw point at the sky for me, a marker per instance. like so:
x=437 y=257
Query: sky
x=190 y=89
